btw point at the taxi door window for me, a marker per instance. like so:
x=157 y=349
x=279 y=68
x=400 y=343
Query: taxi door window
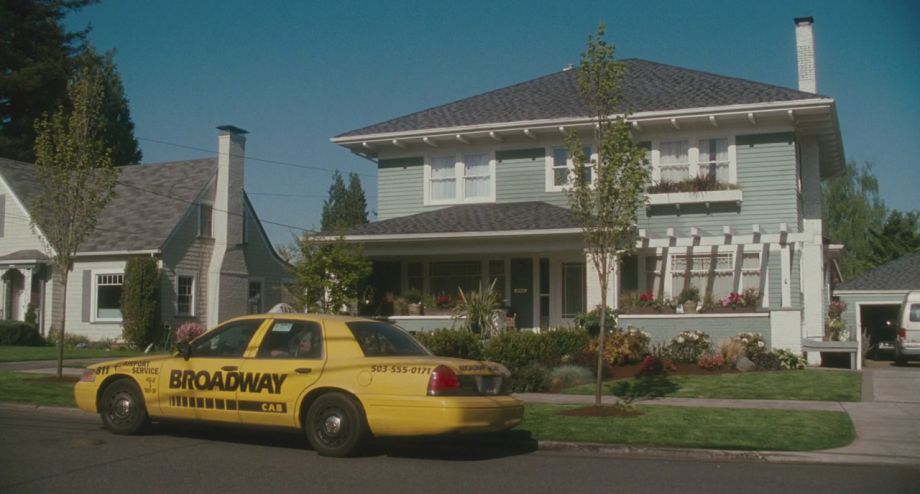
x=228 y=341
x=293 y=340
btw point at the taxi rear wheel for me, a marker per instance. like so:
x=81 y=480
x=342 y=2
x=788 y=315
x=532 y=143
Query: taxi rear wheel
x=335 y=425
x=122 y=408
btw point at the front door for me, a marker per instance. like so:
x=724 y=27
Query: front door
x=289 y=361
x=204 y=387
x=522 y=291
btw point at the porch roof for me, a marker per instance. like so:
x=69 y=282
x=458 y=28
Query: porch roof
x=30 y=255
x=522 y=217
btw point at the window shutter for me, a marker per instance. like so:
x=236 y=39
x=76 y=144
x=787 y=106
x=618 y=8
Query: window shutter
x=87 y=294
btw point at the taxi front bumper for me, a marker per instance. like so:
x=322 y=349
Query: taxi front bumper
x=84 y=394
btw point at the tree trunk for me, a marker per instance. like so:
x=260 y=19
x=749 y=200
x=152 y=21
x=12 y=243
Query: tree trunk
x=602 y=278
x=60 y=362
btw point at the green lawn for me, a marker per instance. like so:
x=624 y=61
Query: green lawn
x=808 y=384
x=36 y=389
x=26 y=353
x=686 y=427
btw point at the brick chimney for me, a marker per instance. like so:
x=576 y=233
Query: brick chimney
x=805 y=54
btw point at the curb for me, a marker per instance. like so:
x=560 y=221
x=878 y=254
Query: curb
x=29 y=407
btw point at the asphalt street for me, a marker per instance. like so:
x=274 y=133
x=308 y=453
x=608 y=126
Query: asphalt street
x=58 y=450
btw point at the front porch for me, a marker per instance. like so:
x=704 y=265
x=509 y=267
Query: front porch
x=23 y=281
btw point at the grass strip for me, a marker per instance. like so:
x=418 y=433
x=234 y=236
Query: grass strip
x=688 y=427
x=37 y=389
x=807 y=385
x=28 y=353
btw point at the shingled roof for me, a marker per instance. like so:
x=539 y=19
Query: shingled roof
x=648 y=86
x=513 y=216
x=149 y=202
x=901 y=274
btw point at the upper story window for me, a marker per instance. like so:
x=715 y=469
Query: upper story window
x=681 y=160
x=458 y=178
x=185 y=295
x=205 y=212
x=559 y=167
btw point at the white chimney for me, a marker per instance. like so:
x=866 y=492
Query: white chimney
x=226 y=293
x=805 y=54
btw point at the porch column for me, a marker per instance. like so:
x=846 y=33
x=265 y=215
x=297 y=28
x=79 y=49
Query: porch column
x=593 y=286
x=3 y=295
x=26 y=297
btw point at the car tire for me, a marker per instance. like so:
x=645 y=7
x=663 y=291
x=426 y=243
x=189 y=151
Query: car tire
x=335 y=425
x=122 y=408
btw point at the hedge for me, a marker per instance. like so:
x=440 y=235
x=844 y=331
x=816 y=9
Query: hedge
x=19 y=333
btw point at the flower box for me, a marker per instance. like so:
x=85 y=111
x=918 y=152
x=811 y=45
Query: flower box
x=709 y=196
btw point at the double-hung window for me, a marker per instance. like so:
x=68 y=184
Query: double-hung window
x=674 y=161
x=459 y=178
x=560 y=167
x=703 y=156
x=713 y=159
x=108 y=296
x=185 y=295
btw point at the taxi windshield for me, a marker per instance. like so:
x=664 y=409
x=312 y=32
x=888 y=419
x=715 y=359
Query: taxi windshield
x=378 y=339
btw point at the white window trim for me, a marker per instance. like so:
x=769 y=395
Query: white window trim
x=192 y=304
x=94 y=298
x=550 y=177
x=693 y=153
x=459 y=178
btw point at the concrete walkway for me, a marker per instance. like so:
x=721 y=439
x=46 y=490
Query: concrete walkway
x=887 y=421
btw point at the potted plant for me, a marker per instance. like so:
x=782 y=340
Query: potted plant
x=414 y=301
x=689 y=298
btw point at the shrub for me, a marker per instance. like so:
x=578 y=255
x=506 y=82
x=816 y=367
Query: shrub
x=711 y=362
x=766 y=361
x=70 y=340
x=789 y=360
x=563 y=346
x=530 y=378
x=518 y=350
x=458 y=343
x=653 y=366
x=689 y=294
x=566 y=376
x=477 y=307
x=189 y=331
x=140 y=302
x=591 y=322
x=31 y=316
x=689 y=346
x=19 y=333
x=514 y=350
x=731 y=350
x=623 y=347
x=753 y=344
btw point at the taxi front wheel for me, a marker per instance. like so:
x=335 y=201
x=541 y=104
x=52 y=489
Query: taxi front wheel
x=335 y=425
x=122 y=408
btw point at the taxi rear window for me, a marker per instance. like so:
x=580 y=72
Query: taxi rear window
x=379 y=339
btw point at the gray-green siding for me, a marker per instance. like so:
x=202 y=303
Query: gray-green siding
x=718 y=328
x=400 y=187
x=521 y=176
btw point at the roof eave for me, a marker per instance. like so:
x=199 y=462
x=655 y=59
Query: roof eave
x=418 y=237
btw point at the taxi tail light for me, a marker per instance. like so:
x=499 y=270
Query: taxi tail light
x=89 y=375
x=443 y=381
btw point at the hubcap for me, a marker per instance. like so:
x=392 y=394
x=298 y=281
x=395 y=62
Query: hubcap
x=332 y=425
x=122 y=407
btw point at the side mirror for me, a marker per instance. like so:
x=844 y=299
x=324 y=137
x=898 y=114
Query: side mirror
x=185 y=349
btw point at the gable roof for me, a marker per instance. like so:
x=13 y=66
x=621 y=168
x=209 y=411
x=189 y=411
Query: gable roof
x=149 y=201
x=901 y=274
x=648 y=86
x=503 y=217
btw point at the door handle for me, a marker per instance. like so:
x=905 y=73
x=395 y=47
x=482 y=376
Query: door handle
x=229 y=368
x=303 y=370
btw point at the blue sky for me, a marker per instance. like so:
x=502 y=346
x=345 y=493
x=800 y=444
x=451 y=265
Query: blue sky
x=296 y=73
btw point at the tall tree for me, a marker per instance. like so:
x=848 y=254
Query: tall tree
x=140 y=302
x=329 y=274
x=76 y=179
x=605 y=206
x=37 y=58
x=36 y=61
x=346 y=206
x=118 y=132
x=852 y=207
x=899 y=235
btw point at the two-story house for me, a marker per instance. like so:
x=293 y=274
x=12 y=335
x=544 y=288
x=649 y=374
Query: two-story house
x=474 y=191
x=192 y=216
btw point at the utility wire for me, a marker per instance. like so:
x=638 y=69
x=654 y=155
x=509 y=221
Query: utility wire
x=252 y=158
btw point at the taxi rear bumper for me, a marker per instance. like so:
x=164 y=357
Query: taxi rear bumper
x=432 y=415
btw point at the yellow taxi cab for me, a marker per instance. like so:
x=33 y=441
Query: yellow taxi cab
x=340 y=379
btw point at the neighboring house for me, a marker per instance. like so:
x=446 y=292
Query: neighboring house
x=192 y=216
x=474 y=190
x=874 y=297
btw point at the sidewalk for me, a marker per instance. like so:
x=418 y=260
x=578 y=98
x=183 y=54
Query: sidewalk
x=887 y=421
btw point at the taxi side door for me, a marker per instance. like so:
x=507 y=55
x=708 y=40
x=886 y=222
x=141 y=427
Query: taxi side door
x=204 y=386
x=285 y=371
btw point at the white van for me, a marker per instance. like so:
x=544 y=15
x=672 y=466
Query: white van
x=908 y=342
